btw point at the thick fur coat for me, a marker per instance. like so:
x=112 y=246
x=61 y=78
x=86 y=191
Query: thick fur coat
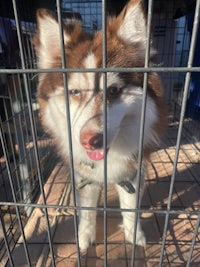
x=126 y=44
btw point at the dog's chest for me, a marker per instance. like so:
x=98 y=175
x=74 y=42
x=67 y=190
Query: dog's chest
x=95 y=171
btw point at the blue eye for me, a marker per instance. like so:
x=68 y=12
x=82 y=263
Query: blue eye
x=75 y=92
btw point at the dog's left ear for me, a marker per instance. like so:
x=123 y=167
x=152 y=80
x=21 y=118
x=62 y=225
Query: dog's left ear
x=132 y=22
x=47 y=39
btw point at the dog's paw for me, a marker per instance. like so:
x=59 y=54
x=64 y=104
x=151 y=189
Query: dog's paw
x=140 y=237
x=86 y=238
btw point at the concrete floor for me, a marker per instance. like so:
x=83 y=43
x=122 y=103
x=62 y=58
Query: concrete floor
x=181 y=226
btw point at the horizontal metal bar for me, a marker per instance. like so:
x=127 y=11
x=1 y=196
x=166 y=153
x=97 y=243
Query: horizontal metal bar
x=114 y=209
x=75 y=70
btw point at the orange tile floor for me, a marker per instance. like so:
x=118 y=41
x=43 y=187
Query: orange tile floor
x=185 y=197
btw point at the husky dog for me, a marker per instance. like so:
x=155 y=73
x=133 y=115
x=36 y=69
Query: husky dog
x=125 y=47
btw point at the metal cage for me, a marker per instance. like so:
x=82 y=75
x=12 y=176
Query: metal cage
x=37 y=192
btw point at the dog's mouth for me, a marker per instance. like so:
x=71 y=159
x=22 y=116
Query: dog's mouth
x=96 y=154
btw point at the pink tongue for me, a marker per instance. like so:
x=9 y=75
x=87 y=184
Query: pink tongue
x=96 y=154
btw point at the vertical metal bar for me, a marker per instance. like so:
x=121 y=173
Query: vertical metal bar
x=5 y=151
x=10 y=141
x=6 y=241
x=64 y=66
x=33 y=129
x=17 y=111
x=104 y=64
x=23 y=164
x=6 y=122
x=142 y=124
x=183 y=108
x=193 y=241
x=20 y=114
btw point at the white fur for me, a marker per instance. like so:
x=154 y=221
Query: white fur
x=50 y=30
x=88 y=197
x=128 y=201
x=90 y=61
x=55 y=118
x=133 y=29
x=121 y=118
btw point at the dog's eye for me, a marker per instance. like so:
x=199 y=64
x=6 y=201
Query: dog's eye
x=114 y=91
x=75 y=92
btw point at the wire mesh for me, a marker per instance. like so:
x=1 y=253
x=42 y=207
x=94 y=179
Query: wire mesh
x=38 y=205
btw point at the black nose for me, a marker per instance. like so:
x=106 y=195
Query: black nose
x=91 y=141
x=96 y=141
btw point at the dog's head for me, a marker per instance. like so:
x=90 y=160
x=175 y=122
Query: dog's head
x=125 y=48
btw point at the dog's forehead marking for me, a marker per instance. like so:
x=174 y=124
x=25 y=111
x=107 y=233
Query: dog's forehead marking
x=90 y=61
x=76 y=81
x=81 y=81
x=84 y=81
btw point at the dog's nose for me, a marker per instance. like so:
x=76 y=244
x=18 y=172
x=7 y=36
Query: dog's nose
x=91 y=141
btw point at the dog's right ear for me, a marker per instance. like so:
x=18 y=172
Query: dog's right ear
x=47 y=40
x=132 y=23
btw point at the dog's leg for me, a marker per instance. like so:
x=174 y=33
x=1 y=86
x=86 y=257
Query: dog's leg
x=128 y=201
x=87 y=197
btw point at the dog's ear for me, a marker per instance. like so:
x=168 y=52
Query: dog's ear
x=132 y=22
x=47 y=40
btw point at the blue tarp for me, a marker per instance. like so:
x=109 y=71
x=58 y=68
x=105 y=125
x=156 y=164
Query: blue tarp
x=193 y=104
x=9 y=43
